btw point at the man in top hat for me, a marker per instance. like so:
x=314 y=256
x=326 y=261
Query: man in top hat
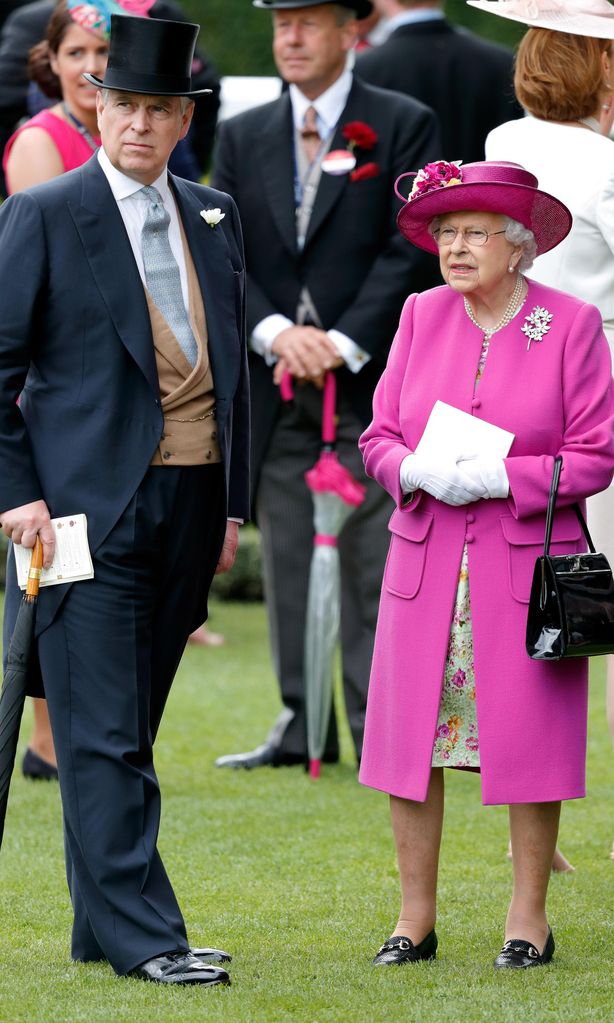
x=467 y=80
x=123 y=334
x=327 y=276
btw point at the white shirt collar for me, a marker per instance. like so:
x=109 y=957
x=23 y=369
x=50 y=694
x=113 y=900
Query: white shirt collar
x=123 y=186
x=329 y=105
x=390 y=25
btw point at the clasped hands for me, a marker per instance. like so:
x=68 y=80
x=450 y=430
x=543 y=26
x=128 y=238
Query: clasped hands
x=306 y=353
x=455 y=481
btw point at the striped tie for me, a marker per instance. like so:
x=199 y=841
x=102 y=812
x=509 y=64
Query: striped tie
x=310 y=134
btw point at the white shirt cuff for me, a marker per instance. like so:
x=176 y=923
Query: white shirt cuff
x=264 y=334
x=352 y=354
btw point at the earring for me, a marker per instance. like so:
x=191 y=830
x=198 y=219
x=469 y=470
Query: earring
x=510 y=269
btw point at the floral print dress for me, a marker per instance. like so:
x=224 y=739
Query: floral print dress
x=456 y=736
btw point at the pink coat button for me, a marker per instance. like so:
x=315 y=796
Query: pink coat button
x=475 y=402
x=470 y=517
x=470 y=538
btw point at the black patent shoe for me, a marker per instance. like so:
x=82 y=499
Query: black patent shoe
x=398 y=950
x=34 y=767
x=212 y=955
x=180 y=968
x=521 y=955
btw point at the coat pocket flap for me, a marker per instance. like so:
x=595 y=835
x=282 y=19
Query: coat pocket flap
x=523 y=534
x=411 y=525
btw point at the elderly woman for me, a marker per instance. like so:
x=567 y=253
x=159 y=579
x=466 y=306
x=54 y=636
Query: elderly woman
x=451 y=683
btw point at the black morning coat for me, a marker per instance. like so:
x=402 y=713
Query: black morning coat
x=357 y=266
x=76 y=348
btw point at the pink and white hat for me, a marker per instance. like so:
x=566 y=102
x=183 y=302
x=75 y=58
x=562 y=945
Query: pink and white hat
x=489 y=186
x=592 y=18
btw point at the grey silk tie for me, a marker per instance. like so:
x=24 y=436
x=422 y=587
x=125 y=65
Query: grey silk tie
x=162 y=273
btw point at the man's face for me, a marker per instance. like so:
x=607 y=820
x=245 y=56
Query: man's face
x=310 y=47
x=140 y=132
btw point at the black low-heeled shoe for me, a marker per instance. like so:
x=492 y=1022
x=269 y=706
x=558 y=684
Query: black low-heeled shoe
x=399 y=949
x=517 y=954
x=34 y=767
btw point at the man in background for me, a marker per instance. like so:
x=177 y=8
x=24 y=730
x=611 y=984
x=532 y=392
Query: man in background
x=327 y=275
x=467 y=81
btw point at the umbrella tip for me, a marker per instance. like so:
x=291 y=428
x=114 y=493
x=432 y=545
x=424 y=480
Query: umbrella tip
x=314 y=768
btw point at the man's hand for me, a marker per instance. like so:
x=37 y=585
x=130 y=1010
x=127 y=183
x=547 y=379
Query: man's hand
x=306 y=352
x=229 y=548
x=22 y=525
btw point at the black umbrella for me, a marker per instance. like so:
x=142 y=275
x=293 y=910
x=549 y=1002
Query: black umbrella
x=14 y=685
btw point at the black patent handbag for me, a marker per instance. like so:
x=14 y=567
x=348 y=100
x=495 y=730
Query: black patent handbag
x=571 y=607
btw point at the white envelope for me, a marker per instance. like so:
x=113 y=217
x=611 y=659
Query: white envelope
x=451 y=431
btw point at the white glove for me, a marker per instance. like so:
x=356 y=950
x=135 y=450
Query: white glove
x=488 y=471
x=441 y=477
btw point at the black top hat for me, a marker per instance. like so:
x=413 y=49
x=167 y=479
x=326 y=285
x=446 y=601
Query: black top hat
x=150 y=56
x=362 y=8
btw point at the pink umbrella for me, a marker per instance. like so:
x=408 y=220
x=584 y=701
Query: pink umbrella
x=336 y=493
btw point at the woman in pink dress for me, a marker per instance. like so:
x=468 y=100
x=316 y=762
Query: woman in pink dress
x=65 y=135
x=451 y=683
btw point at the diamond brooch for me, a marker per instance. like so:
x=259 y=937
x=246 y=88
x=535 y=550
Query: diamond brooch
x=536 y=324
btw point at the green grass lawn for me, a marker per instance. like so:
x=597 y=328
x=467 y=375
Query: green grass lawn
x=298 y=880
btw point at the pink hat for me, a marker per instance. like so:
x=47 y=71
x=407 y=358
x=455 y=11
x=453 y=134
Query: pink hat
x=489 y=186
x=593 y=18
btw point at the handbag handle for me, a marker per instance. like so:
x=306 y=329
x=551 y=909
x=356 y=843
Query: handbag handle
x=554 y=486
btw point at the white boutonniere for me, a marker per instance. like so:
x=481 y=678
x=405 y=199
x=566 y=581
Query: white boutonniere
x=536 y=324
x=212 y=217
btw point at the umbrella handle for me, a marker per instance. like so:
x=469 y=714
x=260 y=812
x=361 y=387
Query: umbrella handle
x=329 y=432
x=36 y=566
x=285 y=387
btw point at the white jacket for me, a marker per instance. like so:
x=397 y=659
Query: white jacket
x=577 y=166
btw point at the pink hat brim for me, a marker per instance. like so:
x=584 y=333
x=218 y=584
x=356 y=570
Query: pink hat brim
x=547 y=217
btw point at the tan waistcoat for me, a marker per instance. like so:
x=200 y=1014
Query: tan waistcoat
x=188 y=400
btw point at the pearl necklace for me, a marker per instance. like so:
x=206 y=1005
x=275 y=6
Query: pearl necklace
x=512 y=308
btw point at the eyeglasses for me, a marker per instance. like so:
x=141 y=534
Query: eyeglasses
x=470 y=235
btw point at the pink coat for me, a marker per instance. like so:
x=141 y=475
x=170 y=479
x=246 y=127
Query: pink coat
x=557 y=397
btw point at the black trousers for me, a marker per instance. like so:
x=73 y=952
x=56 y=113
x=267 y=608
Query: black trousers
x=108 y=661
x=284 y=508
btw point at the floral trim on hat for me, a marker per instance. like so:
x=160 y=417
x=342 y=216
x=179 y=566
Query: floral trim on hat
x=95 y=15
x=436 y=175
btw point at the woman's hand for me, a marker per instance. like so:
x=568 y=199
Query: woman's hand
x=441 y=477
x=489 y=472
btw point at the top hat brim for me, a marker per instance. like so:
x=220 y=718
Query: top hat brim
x=362 y=8
x=594 y=26
x=127 y=82
x=543 y=214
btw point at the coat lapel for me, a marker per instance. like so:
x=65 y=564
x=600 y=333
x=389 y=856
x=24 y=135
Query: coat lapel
x=209 y=250
x=109 y=254
x=276 y=158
